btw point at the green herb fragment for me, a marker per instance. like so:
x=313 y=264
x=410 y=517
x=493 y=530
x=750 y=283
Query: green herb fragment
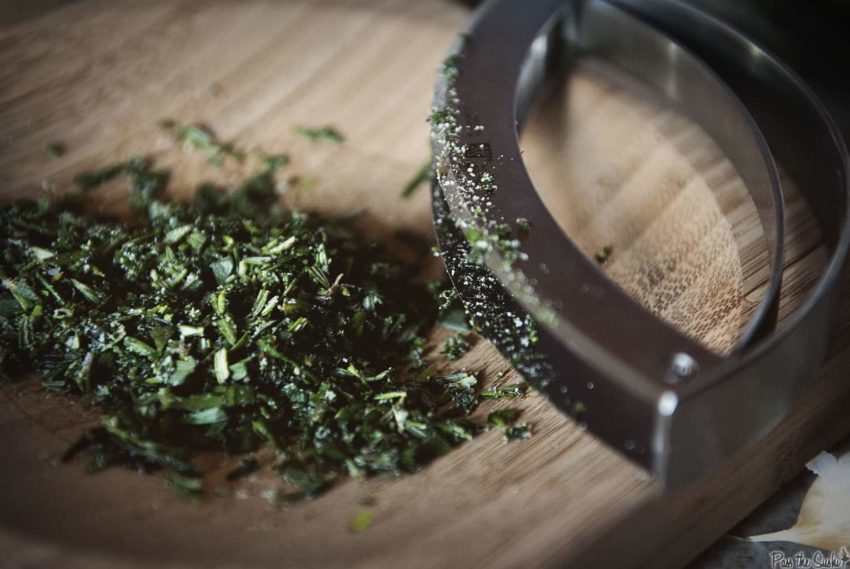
x=324 y=133
x=222 y=371
x=486 y=182
x=56 y=150
x=95 y=178
x=191 y=487
x=455 y=347
x=503 y=417
x=363 y=520
x=450 y=68
x=577 y=409
x=513 y=391
x=303 y=183
x=200 y=137
x=452 y=314
x=505 y=421
x=523 y=225
x=517 y=432
x=274 y=162
x=603 y=253
x=423 y=176
x=145 y=182
x=483 y=242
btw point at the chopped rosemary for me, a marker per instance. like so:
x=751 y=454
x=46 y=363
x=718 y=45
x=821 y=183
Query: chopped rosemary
x=226 y=324
x=517 y=432
x=455 y=347
x=523 y=225
x=94 y=178
x=505 y=421
x=201 y=137
x=512 y=391
x=324 y=133
x=56 y=150
x=603 y=254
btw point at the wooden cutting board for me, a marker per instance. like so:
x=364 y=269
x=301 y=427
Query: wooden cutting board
x=97 y=76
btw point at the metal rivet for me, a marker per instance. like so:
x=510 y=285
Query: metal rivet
x=682 y=366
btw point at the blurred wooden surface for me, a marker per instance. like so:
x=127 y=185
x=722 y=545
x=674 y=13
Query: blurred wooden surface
x=97 y=76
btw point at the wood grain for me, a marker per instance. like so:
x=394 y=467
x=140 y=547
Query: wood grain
x=629 y=174
x=98 y=76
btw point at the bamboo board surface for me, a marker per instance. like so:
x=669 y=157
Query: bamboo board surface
x=97 y=76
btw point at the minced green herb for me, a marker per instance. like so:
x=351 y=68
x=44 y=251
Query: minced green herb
x=450 y=67
x=145 y=182
x=201 y=137
x=523 y=225
x=303 y=183
x=517 y=432
x=324 y=133
x=455 y=347
x=227 y=324
x=577 y=409
x=94 y=178
x=56 y=150
x=363 y=520
x=452 y=313
x=603 y=253
x=498 y=239
x=424 y=175
x=514 y=390
x=505 y=421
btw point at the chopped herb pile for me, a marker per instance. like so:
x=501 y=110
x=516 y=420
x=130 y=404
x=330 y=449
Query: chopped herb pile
x=227 y=324
x=523 y=225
